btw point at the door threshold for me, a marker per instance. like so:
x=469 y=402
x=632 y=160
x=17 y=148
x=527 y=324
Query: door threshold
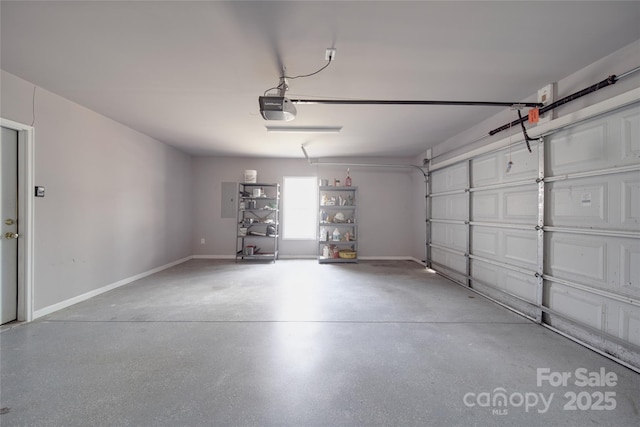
x=11 y=325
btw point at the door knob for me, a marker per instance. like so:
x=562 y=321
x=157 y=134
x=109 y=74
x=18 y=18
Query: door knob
x=10 y=235
x=9 y=221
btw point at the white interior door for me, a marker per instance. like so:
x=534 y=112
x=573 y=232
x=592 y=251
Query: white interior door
x=9 y=212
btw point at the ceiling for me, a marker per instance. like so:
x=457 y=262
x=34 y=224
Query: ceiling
x=190 y=73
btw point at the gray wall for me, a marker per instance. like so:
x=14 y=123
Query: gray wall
x=385 y=208
x=117 y=204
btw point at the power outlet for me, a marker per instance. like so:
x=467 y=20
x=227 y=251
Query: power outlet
x=202 y=241
x=546 y=96
x=330 y=54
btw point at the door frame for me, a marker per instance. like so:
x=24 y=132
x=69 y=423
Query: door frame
x=26 y=139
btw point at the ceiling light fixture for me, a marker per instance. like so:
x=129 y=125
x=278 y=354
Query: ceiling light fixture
x=304 y=129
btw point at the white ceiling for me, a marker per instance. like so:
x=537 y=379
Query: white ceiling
x=190 y=73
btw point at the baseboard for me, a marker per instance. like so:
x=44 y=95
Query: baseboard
x=392 y=258
x=280 y=256
x=213 y=257
x=71 y=301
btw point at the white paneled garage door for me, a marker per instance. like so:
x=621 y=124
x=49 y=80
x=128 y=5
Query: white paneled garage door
x=449 y=218
x=556 y=236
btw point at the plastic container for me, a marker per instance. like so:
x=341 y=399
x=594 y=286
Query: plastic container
x=250 y=176
x=347 y=254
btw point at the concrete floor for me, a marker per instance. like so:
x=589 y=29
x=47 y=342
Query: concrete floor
x=214 y=343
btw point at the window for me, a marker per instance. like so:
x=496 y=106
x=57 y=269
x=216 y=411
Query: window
x=299 y=207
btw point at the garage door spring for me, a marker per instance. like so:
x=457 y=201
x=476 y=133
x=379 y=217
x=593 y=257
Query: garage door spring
x=604 y=83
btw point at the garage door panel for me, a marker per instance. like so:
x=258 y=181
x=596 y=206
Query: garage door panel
x=484 y=242
x=520 y=247
x=453 y=236
x=631 y=202
x=516 y=205
x=574 y=203
x=579 y=149
x=484 y=171
x=486 y=273
x=492 y=168
x=572 y=256
x=521 y=285
x=607 y=142
x=449 y=179
x=630 y=266
x=608 y=202
x=629 y=324
x=509 y=281
x=453 y=262
x=576 y=305
x=630 y=129
x=454 y=207
x=514 y=247
x=521 y=205
x=486 y=206
x=524 y=164
x=608 y=263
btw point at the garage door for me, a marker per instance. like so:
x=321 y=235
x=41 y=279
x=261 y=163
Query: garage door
x=555 y=235
x=592 y=268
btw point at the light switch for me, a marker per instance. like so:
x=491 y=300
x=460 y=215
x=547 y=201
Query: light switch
x=39 y=191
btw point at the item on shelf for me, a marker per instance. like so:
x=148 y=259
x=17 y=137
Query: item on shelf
x=347 y=181
x=339 y=217
x=242 y=231
x=257 y=192
x=325 y=251
x=336 y=183
x=249 y=250
x=247 y=221
x=336 y=235
x=250 y=176
x=242 y=206
x=347 y=254
x=252 y=204
x=324 y=183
